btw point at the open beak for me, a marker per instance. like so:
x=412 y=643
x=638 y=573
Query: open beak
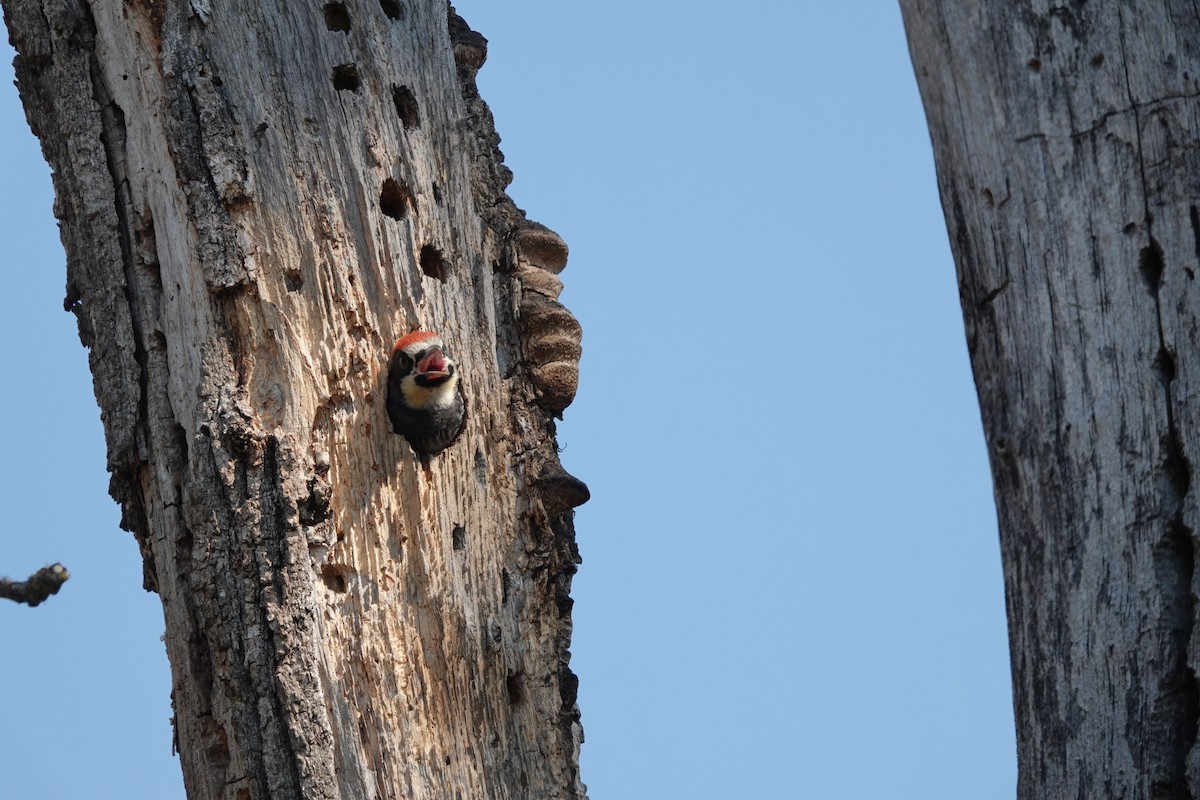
x=434 y=365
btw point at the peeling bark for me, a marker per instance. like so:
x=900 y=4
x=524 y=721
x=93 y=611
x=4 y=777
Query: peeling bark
x=256 y=200
x=1066 y=144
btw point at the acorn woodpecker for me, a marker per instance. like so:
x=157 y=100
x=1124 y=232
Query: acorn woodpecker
x=425 y=401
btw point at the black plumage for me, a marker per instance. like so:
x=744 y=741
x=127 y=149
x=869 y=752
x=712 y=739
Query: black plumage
x=428 y=410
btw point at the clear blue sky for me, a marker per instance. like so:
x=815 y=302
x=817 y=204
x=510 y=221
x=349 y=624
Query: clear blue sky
x=791 y=584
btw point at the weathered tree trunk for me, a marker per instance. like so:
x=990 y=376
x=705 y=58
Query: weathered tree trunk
x=1067 y=142
x=257 y=198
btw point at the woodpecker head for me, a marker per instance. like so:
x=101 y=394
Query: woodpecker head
x=429 y=377
x=425 y=401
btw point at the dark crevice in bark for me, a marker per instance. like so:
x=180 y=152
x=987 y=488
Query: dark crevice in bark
x=1164 y=365
x=125 y=485
x=1150 y=264
x=1194 y=215
x=271 y=575
x=1175 y=714
x=551 y=532
x=112 y=138
x=993 y=294
x=1175 y=711
x=218 y=587
x=199 y=122
x=407 y=109
x=516 y=689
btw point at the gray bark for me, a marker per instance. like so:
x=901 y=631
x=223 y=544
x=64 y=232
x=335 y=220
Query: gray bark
x=1066 y=140
x=256 y=200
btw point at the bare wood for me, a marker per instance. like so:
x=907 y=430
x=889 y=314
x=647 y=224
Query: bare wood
x=1066 y=144
x=256 y=200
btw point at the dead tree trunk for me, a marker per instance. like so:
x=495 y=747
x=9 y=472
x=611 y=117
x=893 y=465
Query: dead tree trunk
x=1067 y=143
x=257 y=198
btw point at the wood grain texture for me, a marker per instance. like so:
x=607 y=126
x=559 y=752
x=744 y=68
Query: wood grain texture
x=1067 y=143
x=256 y=200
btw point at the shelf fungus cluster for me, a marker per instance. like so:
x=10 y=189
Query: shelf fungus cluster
x=550 y=335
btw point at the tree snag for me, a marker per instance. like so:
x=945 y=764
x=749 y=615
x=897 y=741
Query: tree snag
x=256 y=200
x=1066 y=145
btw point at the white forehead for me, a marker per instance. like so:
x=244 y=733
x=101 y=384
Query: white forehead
x=411 y=350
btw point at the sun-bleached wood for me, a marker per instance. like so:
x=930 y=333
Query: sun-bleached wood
x=1066 y=145
x=257 y=199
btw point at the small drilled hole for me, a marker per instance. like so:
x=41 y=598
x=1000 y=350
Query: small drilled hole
x=337 y=18
x=395 y=199
x=293 y=279
x=345 y=78
x=432 y=262
x=1179 y=469
x=1164 y=362
x=392 y=9
x=1150 y=263
x=481 y=467
x=406 y=106
x=334 y=578
x=516 y=692
x=1034 y=64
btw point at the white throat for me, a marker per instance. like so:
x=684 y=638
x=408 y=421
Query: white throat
x=430 y=398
